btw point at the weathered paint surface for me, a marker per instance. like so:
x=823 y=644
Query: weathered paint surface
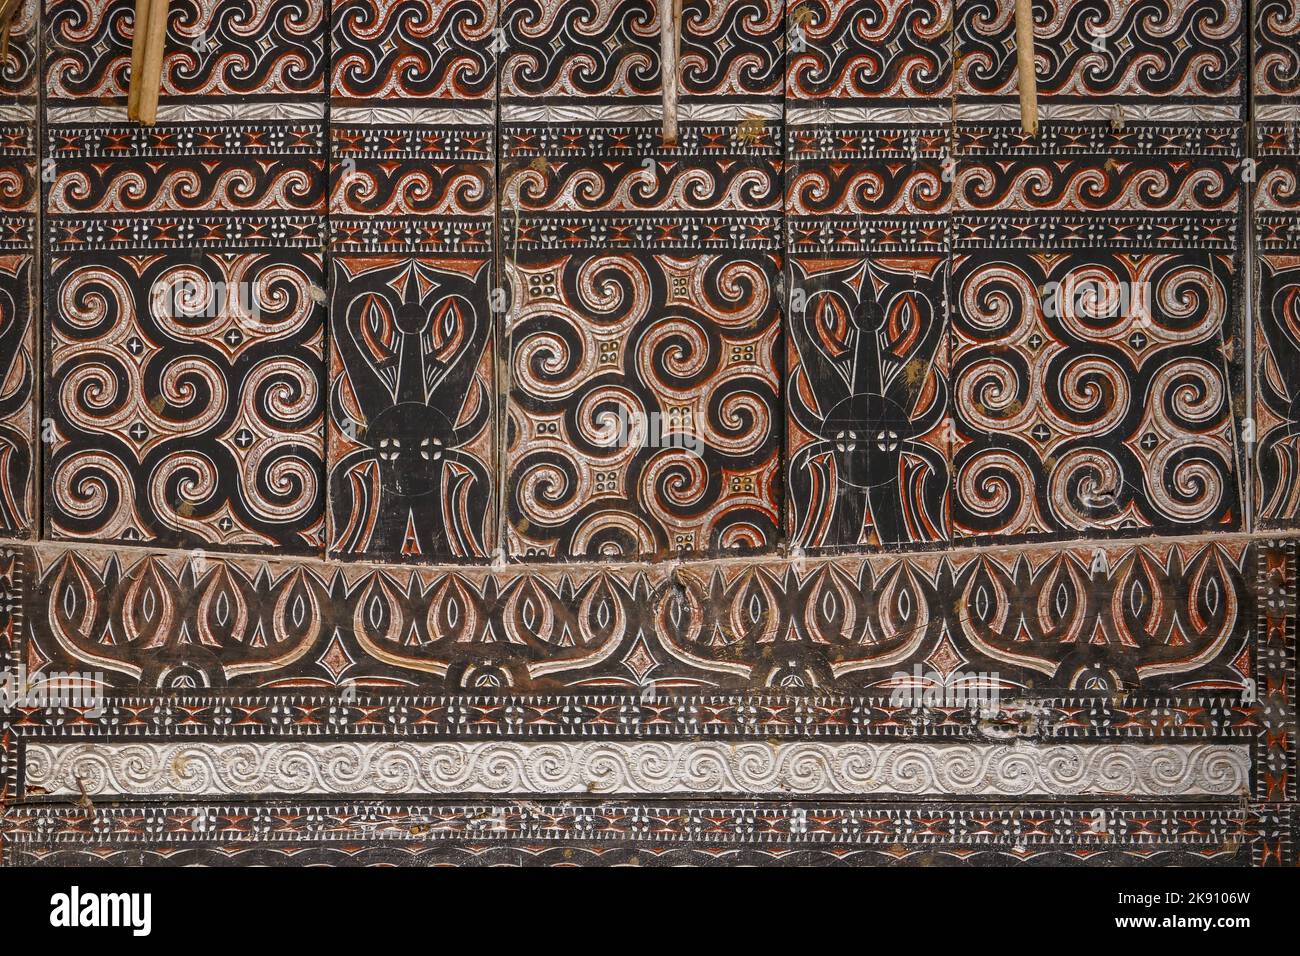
x=408 y=457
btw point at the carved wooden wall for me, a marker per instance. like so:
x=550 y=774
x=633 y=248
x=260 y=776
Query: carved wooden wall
x=429 y=464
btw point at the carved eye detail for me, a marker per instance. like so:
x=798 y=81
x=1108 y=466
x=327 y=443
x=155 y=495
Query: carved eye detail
x=378 y=331
x=831 y=323
x=431 y=448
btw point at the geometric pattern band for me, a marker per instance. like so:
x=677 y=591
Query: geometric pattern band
x=219 y=743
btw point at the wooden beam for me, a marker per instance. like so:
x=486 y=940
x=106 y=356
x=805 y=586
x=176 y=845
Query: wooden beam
x=9 y=9
x=151 y=75
x=1025 y=60
x=670 y=31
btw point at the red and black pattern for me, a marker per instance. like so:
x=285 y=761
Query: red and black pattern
x=1097 y=344
x=837 y=281
x=19 y=365
x=868 y=198
x=184 y=366
x=608 y=51
x=413 y=399
x=1086 y=51
x=1149 y=619
x=868 y=402
x=1088 y=639
x=252 y=49
x=643 y=330
x=1276 y=415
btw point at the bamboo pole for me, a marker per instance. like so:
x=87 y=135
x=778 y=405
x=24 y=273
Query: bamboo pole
x=1025 y=60
x=670 y=29
x=8 y=10
x=151 y=75
x=139 y=40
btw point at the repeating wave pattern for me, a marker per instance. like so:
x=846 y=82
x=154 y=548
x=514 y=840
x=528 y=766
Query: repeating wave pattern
x=706 y=767
x=214 y=49
x=1085 y=48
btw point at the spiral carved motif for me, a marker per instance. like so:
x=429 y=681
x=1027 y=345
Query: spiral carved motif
x=186 y=401
x=636 y=768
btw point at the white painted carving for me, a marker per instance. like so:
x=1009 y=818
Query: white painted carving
x=636 y=767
